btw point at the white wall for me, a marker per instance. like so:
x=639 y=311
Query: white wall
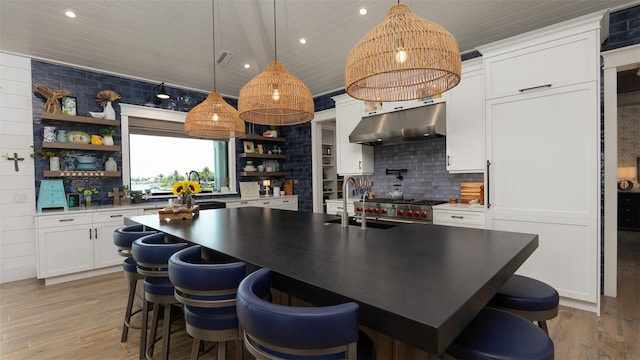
x=17 y=192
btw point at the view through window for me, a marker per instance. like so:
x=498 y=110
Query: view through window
x=157 y=162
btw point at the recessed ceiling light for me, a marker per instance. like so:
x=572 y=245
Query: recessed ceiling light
x=303 y=41
x=363 y=11
x=70 y=14
x=246 y=66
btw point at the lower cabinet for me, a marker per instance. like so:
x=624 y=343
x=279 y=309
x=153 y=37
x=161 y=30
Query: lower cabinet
x=459 y=215
x=281 y=203
x=334 y=207
x=77 y=242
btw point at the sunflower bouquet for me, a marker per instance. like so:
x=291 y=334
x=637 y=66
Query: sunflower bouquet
x=184 y=189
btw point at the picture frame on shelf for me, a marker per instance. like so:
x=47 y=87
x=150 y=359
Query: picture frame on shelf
x=249 y=147
x=69 y=105
x=73 y=200
x=260 y=149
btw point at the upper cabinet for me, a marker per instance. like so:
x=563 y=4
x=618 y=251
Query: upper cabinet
x=555 y=63
x=465 y=121
x=352 y=159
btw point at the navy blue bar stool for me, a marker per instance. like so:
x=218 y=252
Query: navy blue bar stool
x=532 y=299
x=499 y=335
x=152 y=255
x=288 y=332
x=208 y=292
x=123 y=238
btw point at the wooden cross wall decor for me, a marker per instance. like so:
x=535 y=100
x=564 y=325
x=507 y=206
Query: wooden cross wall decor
x=15 y=160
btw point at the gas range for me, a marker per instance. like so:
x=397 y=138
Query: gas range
x=408 y=211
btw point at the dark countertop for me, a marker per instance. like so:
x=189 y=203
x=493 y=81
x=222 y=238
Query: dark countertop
x=418 y=283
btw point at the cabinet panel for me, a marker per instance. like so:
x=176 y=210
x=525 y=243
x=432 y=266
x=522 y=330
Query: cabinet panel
x=64 y=220
x=470 y=219
x=569 y=60
x=64 y=250
x=465 y=124
x=353 y=159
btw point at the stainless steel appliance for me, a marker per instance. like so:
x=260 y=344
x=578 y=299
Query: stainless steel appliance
x=406 y=211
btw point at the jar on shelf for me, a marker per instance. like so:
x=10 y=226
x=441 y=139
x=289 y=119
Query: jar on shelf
x=110 y=164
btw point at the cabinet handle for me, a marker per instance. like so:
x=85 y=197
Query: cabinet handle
x=535 y=88
x=340 y=208
x=398 y=107
x=448 y=160
x=285 y=201
x=266 y=203
x=457 y=217
x=488 y=185
x=65 y=220
x=95 y=233
x=244 y=202
x=90 y=237
x=360 y=165
x=117 y=216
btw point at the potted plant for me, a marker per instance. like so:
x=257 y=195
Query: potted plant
x=107 y=135
x=87 y=194
x=53 y=156
x=276 y=184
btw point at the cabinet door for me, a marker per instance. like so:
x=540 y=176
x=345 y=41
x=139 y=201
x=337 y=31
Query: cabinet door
x=465 y=125
x=64 y=250
x=543 y=179
x=104 y=224
x=353 y=159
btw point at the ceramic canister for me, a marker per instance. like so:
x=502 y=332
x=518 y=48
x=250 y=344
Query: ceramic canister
x=62 y=135
x=49 y=134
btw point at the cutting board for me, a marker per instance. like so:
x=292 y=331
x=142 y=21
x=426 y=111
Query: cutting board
x=470 y=191
x=249 y=189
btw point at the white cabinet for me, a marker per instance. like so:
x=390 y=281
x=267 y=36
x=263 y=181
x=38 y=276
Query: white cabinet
x=279 y=202
x=542 y=151
x=241 y=203
x=465 y=121
x=460 y=215
x=75 y=242
x=334 y=207
x=352 y=159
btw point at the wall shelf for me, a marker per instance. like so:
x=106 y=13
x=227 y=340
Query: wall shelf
x=262 y=173
x=81 y=173
x=80 y=119
x=262 y=138
x=262 y=156
x=73 y=146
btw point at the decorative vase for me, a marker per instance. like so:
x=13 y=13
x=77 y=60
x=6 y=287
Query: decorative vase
x=109 y=113
x=62 y=136
x=276 y=191
x=87 y=200
x=110 y=164
x=49 y=134
x=54 y=163
x=108 y=140
x=186 y=200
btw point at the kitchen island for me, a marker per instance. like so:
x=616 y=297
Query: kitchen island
x=420 y=284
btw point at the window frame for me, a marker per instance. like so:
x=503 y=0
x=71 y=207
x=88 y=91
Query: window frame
x=143 y=112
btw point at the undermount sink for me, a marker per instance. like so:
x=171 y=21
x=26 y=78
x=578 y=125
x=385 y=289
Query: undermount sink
x=370 y=223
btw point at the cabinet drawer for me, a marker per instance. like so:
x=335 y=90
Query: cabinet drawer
x=561 y=62
x=113 y=216
x=64 y=220
x=459 y=218
x=243 y=203
x=285 y=204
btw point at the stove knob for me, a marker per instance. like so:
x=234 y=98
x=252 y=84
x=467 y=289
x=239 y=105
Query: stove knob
x=399 y=213
x=358 y=209
x=367 y=210
x=408 y=213
x=423 y=214
x=375 y=210
x=416 y=213
x=383 y=211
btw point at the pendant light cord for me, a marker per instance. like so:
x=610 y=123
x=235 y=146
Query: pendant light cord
x=213 y=30
x=275 y=32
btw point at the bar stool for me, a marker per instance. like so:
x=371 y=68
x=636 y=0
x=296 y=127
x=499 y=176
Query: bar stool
x=532 y=299
x=123 y=238
x=208 y=292
x=495 y=334
x=287 y=332
x=152 y=254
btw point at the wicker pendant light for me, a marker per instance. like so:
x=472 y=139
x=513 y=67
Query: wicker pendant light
x=405 y=57
x=275 y=97
x=214 y=118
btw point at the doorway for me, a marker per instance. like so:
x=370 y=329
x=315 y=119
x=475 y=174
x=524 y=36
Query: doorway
x=618 y=61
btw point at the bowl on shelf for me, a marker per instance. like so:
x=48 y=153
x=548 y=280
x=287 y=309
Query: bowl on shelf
x=249 y=168
x=268 y=169
x=97 y=115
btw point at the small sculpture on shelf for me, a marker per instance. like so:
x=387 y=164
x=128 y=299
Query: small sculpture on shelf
x=53 y=97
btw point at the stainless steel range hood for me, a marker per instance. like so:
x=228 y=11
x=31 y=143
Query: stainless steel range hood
x=421 y=123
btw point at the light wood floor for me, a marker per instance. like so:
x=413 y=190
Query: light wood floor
x=83 y=319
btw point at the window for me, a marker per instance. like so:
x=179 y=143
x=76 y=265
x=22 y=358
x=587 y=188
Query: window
x=158 y=153
x=157 y=162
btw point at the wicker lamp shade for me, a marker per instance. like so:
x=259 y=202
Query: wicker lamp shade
x=275 y=97
x=405 y=57
x=214 y=119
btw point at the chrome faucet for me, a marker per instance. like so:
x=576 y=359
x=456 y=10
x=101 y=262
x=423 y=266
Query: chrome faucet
x=363 y=217
x=345 y=196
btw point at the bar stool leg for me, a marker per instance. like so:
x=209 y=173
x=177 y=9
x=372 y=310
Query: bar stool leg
x=154 y=330
x=166 y=331
x=543 y=325
x=195 y=349
x=143 y=330
x=127 y=314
